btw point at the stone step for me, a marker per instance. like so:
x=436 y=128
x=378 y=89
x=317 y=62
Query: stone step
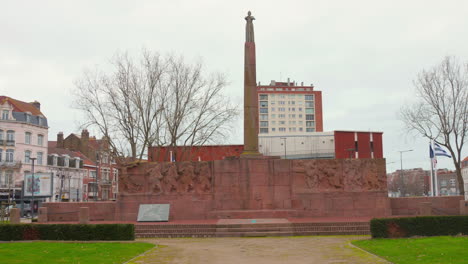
x=251 y=234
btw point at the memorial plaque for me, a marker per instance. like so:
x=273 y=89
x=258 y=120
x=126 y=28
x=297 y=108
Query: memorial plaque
x=153 y=213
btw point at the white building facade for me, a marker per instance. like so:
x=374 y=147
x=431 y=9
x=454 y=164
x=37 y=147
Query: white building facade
x=23 y=136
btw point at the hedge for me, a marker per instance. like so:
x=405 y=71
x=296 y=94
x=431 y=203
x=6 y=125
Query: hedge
x=9 y=232
x=419 y=226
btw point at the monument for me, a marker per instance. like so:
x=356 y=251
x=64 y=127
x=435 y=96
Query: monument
x=250 y=92
x=254 y=186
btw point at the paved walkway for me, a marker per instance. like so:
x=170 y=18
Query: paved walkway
x=272 y=250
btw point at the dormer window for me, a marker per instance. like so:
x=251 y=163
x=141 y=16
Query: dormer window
x=77 y=163
x=5 y=114
x=28 y=117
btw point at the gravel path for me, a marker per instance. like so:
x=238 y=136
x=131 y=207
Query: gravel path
x=272 y=250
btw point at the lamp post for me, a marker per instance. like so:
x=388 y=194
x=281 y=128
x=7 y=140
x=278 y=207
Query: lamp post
x=32 y=188
x=402 y=183
x=283 y=138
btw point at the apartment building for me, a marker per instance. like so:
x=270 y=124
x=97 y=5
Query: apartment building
x=286 y=108
x=23 y=137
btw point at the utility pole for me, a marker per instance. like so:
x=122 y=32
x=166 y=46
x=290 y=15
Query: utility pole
x=32 y=188
x=283 y=138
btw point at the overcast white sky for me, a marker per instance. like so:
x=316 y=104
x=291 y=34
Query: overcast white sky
x=363 y=55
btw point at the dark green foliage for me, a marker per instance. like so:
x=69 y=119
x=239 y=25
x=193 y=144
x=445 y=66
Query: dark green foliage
x=419 y=226
x=67 y=232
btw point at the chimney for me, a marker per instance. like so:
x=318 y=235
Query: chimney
x=84 y=145
x=288 y=81
x=302 y=83
x=60 y=143
x=37 y=105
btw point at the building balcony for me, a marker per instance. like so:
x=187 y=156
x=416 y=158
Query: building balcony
x=10 y=164
x=10 y=143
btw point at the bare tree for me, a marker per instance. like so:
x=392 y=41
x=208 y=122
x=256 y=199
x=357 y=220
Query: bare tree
x=156 y=101
x=441 y=112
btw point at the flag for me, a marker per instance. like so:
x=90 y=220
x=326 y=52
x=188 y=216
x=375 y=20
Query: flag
x=439 y=151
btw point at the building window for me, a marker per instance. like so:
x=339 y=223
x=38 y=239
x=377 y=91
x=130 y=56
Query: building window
x=300 y=123
x=40 y=140
x=309 y=117
x=263 y=117
x=282 y=129
x=281 y=109
x=309 y=110
x=27 y=156
x=263 y=104
x=1 y=137
x=273 y=115
x=263 y=130
x=300 y=129
x=5 y=114
x=264 y=123
x=264 y=110
x=281 y=102
x=10 y=136
x=282 y=116
x=282 y=122
x=309 y=97
x=39 y=158
x=272 y=102
x=6 y=180
x=443 y=183
x=310 y=124
x=55 y=160
x=453 y=182
x=292 y=129
x=1 y=154
x=264 y=97
x=273 y=129
x=299 y=109
x=27 y=138
x=66 y=161
x=9 y=155
x=310 y=129
x=273 y=123
x=28 y=118
x=309 y=104
x=300 y=115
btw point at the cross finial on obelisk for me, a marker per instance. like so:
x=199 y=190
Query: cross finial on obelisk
x=249 y=30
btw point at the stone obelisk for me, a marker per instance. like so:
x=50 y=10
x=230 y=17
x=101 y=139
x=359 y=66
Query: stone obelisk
x=250 y=92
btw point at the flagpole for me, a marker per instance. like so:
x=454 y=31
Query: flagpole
x=431 y=180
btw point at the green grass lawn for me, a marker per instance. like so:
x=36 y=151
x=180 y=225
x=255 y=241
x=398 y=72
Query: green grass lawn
x=56 y=252
x=447 y=250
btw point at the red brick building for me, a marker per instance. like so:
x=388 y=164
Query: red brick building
x=321 y=145
x=101 y=180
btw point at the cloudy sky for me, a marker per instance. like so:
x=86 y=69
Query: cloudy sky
x=363 y=55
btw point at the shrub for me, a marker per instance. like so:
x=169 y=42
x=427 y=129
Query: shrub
x=419 y=226
x=67 y=232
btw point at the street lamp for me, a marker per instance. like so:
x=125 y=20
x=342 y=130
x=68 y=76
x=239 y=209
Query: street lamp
x=283 y=138
x=403 y=189
x=32 y=188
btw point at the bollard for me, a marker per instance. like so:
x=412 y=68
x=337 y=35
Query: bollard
x=15 y=216
x=42 y=217
x=84 y=215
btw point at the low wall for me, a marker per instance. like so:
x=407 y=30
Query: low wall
x=253 y=188
x=441 y=205
x=98 y=211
